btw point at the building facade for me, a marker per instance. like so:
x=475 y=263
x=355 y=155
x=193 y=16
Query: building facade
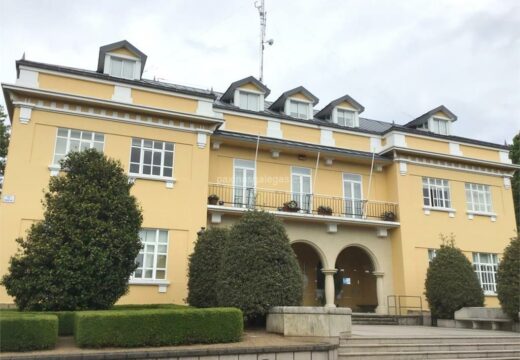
x=363 y=201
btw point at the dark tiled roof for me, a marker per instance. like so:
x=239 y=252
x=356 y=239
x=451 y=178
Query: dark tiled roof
x=143 y=82
x=280 y=102
x=424 y=117
x=327 y=110
x=297 y=144
x=230 y=92
x=118 y=45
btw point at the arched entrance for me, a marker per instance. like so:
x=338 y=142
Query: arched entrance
x=313 y=279
x=355 y=282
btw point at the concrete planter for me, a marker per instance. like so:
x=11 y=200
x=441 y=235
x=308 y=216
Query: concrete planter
x=309 y=321
x=446 y=323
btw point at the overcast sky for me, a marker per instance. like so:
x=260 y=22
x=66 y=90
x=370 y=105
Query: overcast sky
x=397 y=58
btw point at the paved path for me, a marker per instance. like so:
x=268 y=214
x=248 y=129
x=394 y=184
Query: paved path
x=419 y=331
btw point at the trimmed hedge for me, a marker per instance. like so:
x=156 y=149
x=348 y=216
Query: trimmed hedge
x=148 y=306
x=25 y=332
x=157 y=327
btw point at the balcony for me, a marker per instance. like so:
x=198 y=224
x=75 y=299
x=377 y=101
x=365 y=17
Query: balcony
x=314 y=207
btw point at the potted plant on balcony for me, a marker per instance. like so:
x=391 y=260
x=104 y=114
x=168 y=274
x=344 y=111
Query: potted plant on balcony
x=291 y=206
x=213 y=199
x=324 y=210
x=388 y=216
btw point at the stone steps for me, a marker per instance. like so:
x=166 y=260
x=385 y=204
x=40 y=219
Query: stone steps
x=434 y=347
x=373 y=319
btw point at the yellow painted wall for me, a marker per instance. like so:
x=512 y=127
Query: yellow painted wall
x=123 y=51
x=480 y=153
x=300 y=133
x=31 y=151
x=427 y=145
x=349 y=141
x=75 y=86
x=245 y=125
x=300 y=96
x=250 y=86
x=346 y=105
x=162 y=101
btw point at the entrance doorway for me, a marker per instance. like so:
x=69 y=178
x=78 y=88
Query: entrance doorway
x=313 y=278
x=355 y=283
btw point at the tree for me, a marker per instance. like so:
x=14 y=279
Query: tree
x=508 y=279
x=4 y=142
x=451 y=283
x=204 y=266
x=514 y=154
x=259 y=268
x=82 y=253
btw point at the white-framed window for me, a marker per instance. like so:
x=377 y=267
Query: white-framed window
x=432 y=253
x=151 y=157
x=485 y=266
x=301 y=187
x=151 y=261
x=440 y=126
x=123 y=68
x=243 y=183
x=353 y=193
x=478 y=198
x=299 y=109
x=68 y=140
x=436 y=193
x=249 y=101
x=346 y=117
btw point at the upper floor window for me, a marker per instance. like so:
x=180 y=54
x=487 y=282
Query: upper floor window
x=478 y=198
x=440 y=126
x=436 y=193
x=122 y=68
x=299 y=109
x=346 y=117
x=301 y=187
x=68 y=140
x=485 y=265
x=151 y=261
x=249 y=101
x=151 y=157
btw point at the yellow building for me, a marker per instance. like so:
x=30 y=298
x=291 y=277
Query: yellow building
x=363 y=201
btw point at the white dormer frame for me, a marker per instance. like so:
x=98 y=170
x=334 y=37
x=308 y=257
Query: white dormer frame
x=441 y=118
x=236 y=97
x=137 y=67
x=335 y=114
x=310 y=107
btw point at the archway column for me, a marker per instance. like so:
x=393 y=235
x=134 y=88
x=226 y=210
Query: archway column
x=329 y=286
x=381 y=300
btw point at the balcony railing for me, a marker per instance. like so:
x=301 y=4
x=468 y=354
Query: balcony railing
x=274 y=200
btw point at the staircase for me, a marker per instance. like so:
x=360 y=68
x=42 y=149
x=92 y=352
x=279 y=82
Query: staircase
x=433 y=347
x=373 y=319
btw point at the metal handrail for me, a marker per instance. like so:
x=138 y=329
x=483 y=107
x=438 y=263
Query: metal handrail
x=253 y=198
x=398 y=306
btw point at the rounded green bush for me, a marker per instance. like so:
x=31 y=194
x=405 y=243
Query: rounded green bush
x=451 y=283
x=204 y=265
x=25 y=332
x=259 y=268
x=508 y=279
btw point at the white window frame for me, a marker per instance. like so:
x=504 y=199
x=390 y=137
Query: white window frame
x=486 y=272
x=244 y=165
x=299 y=102
x=474 y=194
x=302 y=172
x=107 y=69
x=141 y=164
x=82 y=140
x=438 y=187
x=434 y=126
x=156 y=253
x=355 y=118
x=249 y=94
x=358 y=210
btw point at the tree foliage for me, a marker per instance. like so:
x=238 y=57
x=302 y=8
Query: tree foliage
x=4 y=141
x=203 y=268
x=82 y=253
x=508 y=282
x=514 y=154
x=259 y=268
x=451 y=283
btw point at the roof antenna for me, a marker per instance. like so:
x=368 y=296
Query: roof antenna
x=23 y=56
x=260 y=5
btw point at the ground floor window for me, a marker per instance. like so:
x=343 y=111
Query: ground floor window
x=151 y=261
x=485 y=266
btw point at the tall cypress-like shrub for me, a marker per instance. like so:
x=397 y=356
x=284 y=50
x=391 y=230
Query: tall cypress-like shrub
x=259 y=268
x=82 y=253
x=508 y=279
x=204 y=266
x=451 y=282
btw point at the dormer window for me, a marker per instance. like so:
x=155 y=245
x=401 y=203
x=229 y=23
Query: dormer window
x=122 y=68
x=299 y=109
x=346 y=118
x=249 y=101
x=440 y=126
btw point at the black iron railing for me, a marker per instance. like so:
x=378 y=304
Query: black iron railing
x=251 y=198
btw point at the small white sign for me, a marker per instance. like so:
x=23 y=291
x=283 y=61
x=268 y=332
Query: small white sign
x=8 y=199
x=346 y=281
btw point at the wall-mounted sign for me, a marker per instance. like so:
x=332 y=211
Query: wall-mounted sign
x=346 y=281
x=8 y=199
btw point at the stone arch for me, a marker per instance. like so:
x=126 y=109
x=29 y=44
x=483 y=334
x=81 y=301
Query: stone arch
x=316 y=248
x=370 y=253
x=311 y=262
